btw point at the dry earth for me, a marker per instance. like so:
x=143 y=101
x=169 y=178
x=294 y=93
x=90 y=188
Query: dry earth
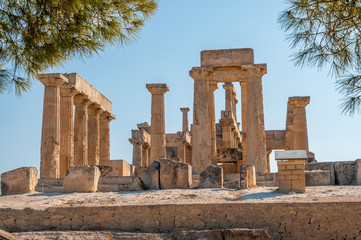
x=180 y=196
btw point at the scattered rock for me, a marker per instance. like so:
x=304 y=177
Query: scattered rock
x=21 y=180
x=82 y=179
x=211 y=177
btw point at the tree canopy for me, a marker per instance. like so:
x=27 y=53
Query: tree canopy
x=38 y=34
x=327 y=33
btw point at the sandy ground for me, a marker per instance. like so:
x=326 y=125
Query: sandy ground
x=180 y=196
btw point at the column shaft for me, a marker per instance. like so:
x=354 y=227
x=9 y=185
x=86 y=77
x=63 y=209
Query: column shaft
x=104 y=132
x=213 y=86
x=93 y=135
x=137 y=154
x=81 y=130
x=182 y=151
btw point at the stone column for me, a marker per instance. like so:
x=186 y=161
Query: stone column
x=93 y=134
x=212 y=87
x=228 y=87
x=185 y=119
x=50 y=133
x=181 y=151
x=244 y=120
x=296 y=132
x=137 y=153
x=104 y=131
x=145 y=160
x=255 y=131
x=227 y=126
x=66 y=129
x=157 y=144
x=202 y=130
x=268 y=160
x=81 y=130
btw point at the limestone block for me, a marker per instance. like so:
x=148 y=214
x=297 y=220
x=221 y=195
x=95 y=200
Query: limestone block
x=317 y=178
x=325 y=166
x=358 y=172
x=138 y=170
x=227 y=57
x=251 y=176
x=82 y=179
x=149 y=179
x=290 y=155
x=211 y=177
x=104 y=170
x=121 y=168
x=21 y=180
x=344 y=173
x=229 y=168
x=174 y=174
x=243 y=176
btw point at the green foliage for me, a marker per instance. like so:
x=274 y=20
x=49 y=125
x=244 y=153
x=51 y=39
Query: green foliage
x=328 y=33
x=38 y=34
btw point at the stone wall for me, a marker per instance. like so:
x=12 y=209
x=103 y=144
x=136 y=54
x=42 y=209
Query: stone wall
x=282 y=220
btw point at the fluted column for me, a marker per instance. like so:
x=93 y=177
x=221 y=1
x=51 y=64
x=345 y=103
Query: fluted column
x=50 y=133
x=212 y=87
x=185 y=125
x=145 y=155
x=66 y=129
x=228 y=87
x=93 y=134
x=104 y=131
x=296 y=128
x=137 y=153
x=81 y=130
x=202 y=131
x=255 y=131
x=157 y=144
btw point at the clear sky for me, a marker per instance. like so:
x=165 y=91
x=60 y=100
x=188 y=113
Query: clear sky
x=168 y=47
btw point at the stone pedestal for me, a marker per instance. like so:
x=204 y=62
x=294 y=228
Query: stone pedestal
x=296 y=124
x=93 y=134
x=50 y=134
x=66 y=129
x=157 y=144
x=104 y=134
x=81 y=130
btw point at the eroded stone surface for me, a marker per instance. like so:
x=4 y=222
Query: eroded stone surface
x=317 y=178
x=174 y=174
x=82 y=179
x=211 y=177
x=344 y=173
x=21 y=180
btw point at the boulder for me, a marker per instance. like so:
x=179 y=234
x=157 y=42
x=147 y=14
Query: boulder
x=211 y=177
x=164 y=174
x=174 y=174
x=82 y=179
x=344 y=173
x=317 y=178
x=21 y=180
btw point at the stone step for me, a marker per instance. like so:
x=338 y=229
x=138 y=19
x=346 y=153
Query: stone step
x=266 y=183
x=115 y=187
x=51 y=181
x=116 y=180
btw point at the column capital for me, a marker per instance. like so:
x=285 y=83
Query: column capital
x=228 y=86
x=157 y=88
x=184 y=110
x=81 y=100
x=52 y=79
x=94 y=109
x=298 y=102
x=68 y=92
x=200 y=73
x=213 y=85
x=250 y=73
x=106 y=116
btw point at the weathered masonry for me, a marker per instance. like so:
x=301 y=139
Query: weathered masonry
x=69 y=138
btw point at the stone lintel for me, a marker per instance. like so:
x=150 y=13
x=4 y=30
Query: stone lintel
x=241 y=73
x=185 y=110
x=77 y=82
x=157 y=88
x=226 y=57
x=291 y=155
x=52 y=79
x=299 y=101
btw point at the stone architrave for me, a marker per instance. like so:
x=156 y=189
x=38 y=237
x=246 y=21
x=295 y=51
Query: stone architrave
x=158 y=141
x=202 y=129
x=50 y=134
x=296 y=124
x=254 y=127
x=185 y=127
x=66 y=129
x=81 y=130
x=104 y=131
x=93 y=134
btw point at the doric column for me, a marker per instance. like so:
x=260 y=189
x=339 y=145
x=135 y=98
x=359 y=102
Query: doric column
x=202 y=130
x=93 y=134
x=181 y=151
x=244 y=120
x=81 y=130
x=227 y=134
x=255 y=131
x=185 y=119
x=137 y=153
x=66 y=129
x=157 y=144
x=228 y=87
x=212 y=87
x=296 y=129
x=104 y=131
x=50 y=133
x=145 y=155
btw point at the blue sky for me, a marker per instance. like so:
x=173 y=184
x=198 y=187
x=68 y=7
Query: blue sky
x=168 y=47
